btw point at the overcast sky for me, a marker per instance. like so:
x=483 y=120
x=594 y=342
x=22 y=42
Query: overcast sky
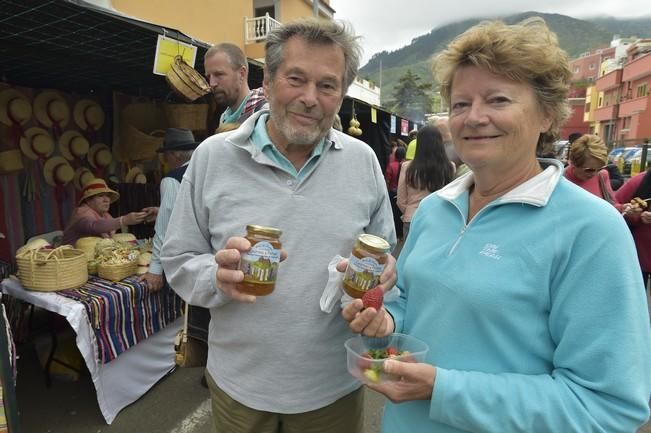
x=392 y=24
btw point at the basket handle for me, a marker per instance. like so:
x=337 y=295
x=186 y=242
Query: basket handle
x=58 y=251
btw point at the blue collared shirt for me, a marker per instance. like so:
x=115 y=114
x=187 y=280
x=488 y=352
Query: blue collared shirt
x=263 y=143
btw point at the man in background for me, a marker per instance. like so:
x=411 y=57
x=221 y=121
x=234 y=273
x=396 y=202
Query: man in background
x=227 y=72
x=177 y=149
x=411 y=147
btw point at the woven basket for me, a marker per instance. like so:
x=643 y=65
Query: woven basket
x=140 y=146
x=185 y=81
x=188 y=116
x=117 y=272
x=92 y=268
x=52 y=270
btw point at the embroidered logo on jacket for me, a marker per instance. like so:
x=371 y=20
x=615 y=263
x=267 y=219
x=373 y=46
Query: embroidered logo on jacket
x=491 y=250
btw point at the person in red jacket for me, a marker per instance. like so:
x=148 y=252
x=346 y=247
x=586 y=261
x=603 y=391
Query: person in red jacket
x=639 y=218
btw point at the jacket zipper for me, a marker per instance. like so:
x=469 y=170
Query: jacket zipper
x=466 y=225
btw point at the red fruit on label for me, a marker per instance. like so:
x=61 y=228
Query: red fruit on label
x=374 y=298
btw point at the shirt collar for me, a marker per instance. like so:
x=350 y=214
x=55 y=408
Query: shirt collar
x=536 y=191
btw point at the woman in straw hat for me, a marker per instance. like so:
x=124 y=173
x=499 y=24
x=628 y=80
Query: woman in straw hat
x=92 y=218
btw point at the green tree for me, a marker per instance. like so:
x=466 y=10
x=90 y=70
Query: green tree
x=411 y=99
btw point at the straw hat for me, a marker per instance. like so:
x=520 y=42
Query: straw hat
x=82 y=177
x=98 y=186
x=58 y=171
x=37 y=143
x=34 y=244
x=50 y=107
x=124 y=237
x=135 y=175
x=88 y=114
x=73 y=145
x=100 y=155
x=11 y=161
x=14 y=105
x=87 y=245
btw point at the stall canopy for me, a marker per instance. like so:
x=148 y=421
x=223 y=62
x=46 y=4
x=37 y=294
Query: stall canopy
x=74 y=45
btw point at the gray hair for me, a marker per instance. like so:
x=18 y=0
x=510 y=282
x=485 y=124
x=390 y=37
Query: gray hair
x=233 y=52
x=315 y=31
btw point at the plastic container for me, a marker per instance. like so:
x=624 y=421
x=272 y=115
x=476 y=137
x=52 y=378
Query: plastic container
x=368 y=370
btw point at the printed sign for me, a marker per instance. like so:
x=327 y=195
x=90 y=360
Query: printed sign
x=168 y=48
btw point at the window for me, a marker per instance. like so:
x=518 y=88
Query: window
x=577 y=69
x=260 y=12
x=641 y=90
x=591 y=66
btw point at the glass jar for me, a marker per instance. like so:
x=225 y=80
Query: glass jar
x=260 y=263
x=365 y=264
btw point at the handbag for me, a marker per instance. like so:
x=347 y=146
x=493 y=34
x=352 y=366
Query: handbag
x=190 y=352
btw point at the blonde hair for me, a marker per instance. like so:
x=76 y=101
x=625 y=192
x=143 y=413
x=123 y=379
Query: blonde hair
x=588 y=146
x=527 y=52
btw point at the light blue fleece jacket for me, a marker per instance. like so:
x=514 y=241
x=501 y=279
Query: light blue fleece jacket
x=533 y=311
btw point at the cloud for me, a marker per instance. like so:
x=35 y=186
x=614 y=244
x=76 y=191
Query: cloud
x=392 y=24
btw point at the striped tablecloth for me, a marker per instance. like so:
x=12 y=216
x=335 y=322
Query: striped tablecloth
x=125 y=312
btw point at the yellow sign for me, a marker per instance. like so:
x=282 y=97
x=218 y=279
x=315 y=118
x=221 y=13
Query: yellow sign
x=373 y=115
x=168 y=48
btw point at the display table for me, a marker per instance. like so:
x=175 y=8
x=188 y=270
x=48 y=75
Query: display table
x=124 y=379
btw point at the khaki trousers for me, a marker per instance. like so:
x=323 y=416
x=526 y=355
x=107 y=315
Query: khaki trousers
x=342 y=416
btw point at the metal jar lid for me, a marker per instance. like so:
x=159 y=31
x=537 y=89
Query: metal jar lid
x=374 y=243
x=269 y=231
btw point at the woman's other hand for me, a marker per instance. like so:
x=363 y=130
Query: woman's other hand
x=416 y=381
x=367 y=321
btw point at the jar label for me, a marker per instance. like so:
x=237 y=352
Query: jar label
x=363 y=274
x=260 y=263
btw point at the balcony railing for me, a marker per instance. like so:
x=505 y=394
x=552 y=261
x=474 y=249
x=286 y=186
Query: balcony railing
x=256 y=29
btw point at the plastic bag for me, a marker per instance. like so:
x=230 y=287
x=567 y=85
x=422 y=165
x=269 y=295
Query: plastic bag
x=334 y=293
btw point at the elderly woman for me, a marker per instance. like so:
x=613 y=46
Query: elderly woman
x=587 y=167
x=520 y=282
x=92 y=218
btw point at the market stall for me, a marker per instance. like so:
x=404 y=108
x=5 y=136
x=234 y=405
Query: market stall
x=78 y=101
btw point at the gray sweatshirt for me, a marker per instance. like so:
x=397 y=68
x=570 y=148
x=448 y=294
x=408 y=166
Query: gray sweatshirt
x=281 y=354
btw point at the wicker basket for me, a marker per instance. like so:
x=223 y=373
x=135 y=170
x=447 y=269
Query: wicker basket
x=51 y=270
x=117 y=272
x=140 y=146
x=188 y=116
x=185 y=81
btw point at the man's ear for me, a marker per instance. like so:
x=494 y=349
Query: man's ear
x=265 y=82
x=244 y=76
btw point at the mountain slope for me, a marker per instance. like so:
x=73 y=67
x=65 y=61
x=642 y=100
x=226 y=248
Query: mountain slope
x=575 y=36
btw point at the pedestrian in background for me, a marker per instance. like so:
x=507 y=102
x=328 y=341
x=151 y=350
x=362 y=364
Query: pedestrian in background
x=587 y=167
x=430 y=170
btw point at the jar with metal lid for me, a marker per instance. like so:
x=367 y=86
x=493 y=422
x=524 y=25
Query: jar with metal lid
x=365 y=264
x=260 y=263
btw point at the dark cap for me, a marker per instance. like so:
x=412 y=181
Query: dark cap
x=178 y=139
